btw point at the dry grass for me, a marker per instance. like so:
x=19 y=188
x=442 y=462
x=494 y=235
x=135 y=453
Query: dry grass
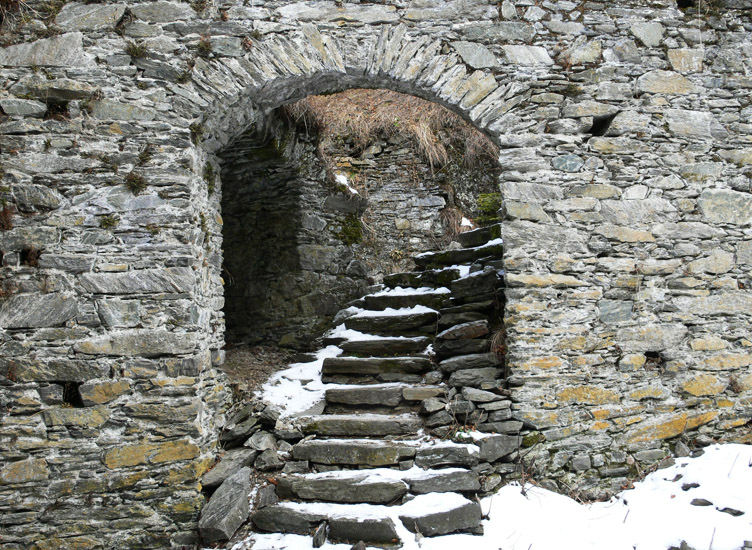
x=364 y=116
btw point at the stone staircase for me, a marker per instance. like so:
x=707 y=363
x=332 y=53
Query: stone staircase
x=391 y=456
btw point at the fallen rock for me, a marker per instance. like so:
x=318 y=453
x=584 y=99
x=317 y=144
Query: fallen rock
x=227 y=509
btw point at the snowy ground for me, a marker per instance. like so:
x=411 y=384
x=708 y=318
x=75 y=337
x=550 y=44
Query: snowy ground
x=657 y=514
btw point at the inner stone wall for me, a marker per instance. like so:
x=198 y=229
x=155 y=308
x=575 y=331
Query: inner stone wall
x=626 y=180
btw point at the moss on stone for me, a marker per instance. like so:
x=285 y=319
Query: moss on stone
x=488 y=208
x=351 y=231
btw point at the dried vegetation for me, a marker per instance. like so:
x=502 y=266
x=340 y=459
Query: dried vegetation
x=363 y=116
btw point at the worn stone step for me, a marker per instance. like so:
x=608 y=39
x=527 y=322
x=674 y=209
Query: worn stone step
x=392 y=321
x=493 y=248
x=375 y=365
x=360 y=425
x=385 y=347
x=349 y=525
x=434 y=278
x=478 y=286
x=399 y=297
x=373 y=523
x=480 y=236
x=376 y=486
x=385 y=395
x=355 y=452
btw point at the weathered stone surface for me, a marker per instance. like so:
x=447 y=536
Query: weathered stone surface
x=583 y=51
x=494 y=447
x=143 y=343
x=58 y=89
x=649 y=34
x=694 y=124
x=98 y=393
x=664 y=82
x=475 y=378
x=80 y=17
x=686 y=60
x=528 y=55
x=651 y=337
x=391 y=323
x=704 y=384
x=475 y=55
x=360 y=425
x=144 y=281
x=37 y=310
x=447 y=454
x=501 y=32
x=227 y=509
x=375 y=365
x=443 y=481
x=727 y=303
x=333 y=488
x=23 y=107
x=615 y=311
x=385 y=346
x=371 y=453
x=666 y=426
x=590 y=395
x=462 y=362
x=92 y=417
x=65 y=50
x=150 y=453
x=473 y=329
x=725 y=206
x=465 y=515
x=163 y=12
x=24 y=471
x=106 y=109
x=366 y=14
x=231 y=462
x=568 y=163
x=389 y=396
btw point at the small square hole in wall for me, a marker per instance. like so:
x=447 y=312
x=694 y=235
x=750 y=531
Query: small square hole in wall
x=71 y=394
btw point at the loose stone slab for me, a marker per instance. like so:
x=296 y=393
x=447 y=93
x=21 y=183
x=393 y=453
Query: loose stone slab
x=480 y=236
x=375 y=365
x=473 y=329
x=459 y=514
x=330 y=487
x=354 y=451
x=360 y=424
x=227 y=509
x=458 y=256
x=231 y=462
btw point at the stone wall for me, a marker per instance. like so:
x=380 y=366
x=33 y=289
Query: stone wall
x=626 y=179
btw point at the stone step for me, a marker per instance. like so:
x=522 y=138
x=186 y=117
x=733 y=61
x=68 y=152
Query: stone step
x=427 y=260
x=435 y=278
x=360 y=425
x=374 y=523
x=394 y=321
x=386 y=395
x=480 y=236
x=402 y=298
x=375 y=486
x=358 y=366
x=385 y=347
x=355 y=452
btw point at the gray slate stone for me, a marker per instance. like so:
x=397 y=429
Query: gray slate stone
x=568 y=163
x=386 y=396
x=227 y=509
x=726 y=206
x=385 y=346
x=37 y=310
x=369 y=488
x=139 y=343
x=81 y=17
x=475 y=55
x=462 y=362
x=443 y=482
x=31 y=197
x=163 y=12
x=494 y=447
x=232 y=461
x=65 y=50
x=108 y=109
x=58 y=89
x=466 y=516
x=375 y=365
x=473 y=329
x=615 y=311
x=23 y=107
x=360 y=425
x=391 y=324
x=475 y=378
x=144 y=281
x=365 y=452
x=446 y=455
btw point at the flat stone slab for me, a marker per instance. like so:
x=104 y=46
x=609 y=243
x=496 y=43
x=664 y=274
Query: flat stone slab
x=383 y=347
x=396 y=301
x=360 y=424
x=447 y=454
x=391 y=324
x=231 y=462
x=436 y=278
x=353 y=452
x=386 y=395
x=375 y=365
x=473 y=361
x=451 y=348
x=443 y=481
x=480 y=236
x=473 y=329
x=227 y=509
x=334 y=487
x=349 y=525
x=455 y=513
x=458 y=256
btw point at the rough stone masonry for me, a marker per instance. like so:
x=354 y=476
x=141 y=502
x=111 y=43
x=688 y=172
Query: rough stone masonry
x=626 y=135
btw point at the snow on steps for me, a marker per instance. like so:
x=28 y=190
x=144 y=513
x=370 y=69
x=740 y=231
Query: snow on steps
x=372 y=523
